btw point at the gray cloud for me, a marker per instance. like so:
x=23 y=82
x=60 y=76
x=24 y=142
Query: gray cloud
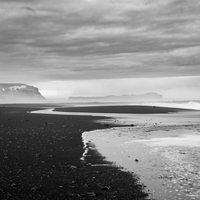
x=94 y=39
x=29 y=9
x=18 y=1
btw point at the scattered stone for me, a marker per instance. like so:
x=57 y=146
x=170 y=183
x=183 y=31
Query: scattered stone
x=34 y=188
x=73 y=167
x=13 y=185
x=73 y=182
x=105 y=188
x=61 y=173
x=91 y=194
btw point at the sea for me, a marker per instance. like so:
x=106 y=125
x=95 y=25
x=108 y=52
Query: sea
x=162 y=150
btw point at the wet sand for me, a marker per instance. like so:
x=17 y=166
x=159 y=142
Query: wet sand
x=162 y=147
x=41 y=159
x=166 y=158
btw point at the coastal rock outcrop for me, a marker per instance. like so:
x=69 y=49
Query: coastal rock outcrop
x=20 y=93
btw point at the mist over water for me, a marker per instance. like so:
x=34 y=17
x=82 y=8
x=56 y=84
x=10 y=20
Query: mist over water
x=194 y=105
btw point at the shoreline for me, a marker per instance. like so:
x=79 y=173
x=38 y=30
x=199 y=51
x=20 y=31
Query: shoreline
x=140 y=149
x=169 y=117
x=84 y=162
x=41 y=159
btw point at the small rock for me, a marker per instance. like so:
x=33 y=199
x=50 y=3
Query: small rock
x=72 y=167
x=13 y=185
x=34 y=188
x=136 y=160
x=105 y=188
x=91 y=194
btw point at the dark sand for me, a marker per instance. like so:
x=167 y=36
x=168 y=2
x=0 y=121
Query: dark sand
x=40 y=159
x=122 y=109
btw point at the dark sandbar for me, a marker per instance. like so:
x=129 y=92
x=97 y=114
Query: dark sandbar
x=122 y=109
x=40 y=159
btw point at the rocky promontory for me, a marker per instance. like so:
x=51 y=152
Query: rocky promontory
x=20 y=93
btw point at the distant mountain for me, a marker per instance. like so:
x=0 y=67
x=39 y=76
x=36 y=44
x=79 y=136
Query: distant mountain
x=123 y=98
x=19 y=93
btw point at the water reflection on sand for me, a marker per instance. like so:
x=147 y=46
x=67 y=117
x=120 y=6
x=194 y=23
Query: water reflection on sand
x=165 y=155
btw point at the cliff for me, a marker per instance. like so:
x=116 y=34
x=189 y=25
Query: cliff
x=19 y=93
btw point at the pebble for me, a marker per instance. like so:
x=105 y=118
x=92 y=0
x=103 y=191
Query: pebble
x=91 y=194
x=105 y=188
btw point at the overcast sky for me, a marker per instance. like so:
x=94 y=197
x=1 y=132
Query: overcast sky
x=101 y=47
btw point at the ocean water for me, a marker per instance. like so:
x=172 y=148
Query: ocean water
x=164 y=153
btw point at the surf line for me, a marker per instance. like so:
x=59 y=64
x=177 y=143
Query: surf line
x=87 y=146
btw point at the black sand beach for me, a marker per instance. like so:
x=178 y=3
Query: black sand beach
x=40 y=159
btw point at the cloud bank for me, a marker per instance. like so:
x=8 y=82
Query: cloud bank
x=113 y=44
x=93 y=39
